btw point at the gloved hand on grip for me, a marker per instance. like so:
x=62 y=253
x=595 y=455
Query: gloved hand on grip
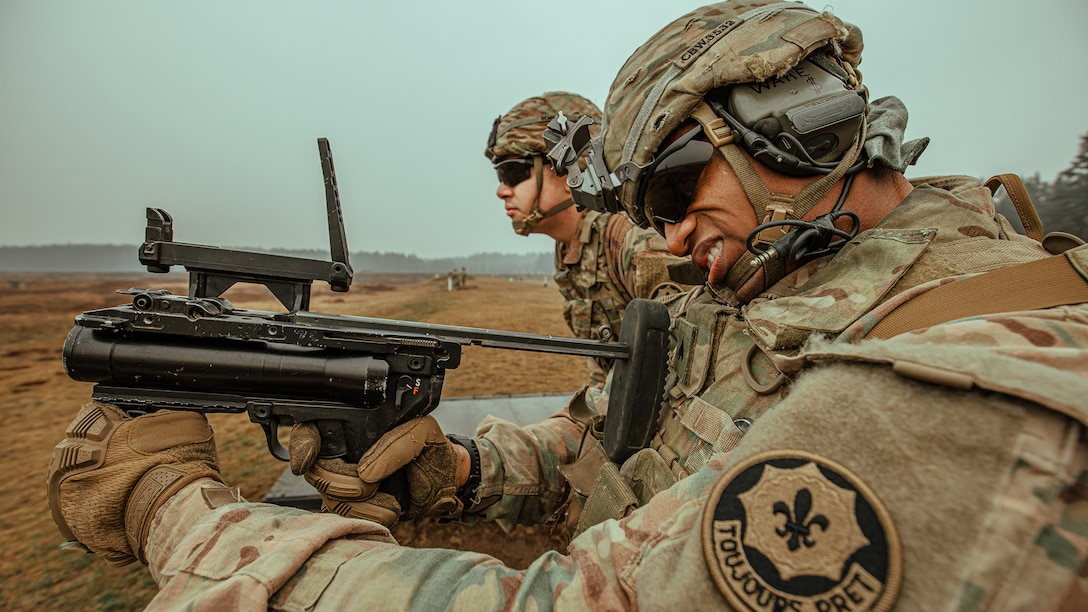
x=338 y=482
x=429 y=460
x=112 y=472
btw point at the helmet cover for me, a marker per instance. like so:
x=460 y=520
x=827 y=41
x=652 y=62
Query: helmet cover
x=519 y=133
x=712 y=47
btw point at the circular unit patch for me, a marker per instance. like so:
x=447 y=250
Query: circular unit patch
x=789 y=530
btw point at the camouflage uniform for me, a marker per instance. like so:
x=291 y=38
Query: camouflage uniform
x=610 y=263
x=986 y=484
x=942 y=468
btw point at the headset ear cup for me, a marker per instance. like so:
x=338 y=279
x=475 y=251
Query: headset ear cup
x=802 y=123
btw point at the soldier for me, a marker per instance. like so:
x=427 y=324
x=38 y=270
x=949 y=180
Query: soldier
x=602 y=260
x=862 y=412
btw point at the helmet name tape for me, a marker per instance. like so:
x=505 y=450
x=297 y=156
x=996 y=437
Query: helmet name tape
x=704 y=43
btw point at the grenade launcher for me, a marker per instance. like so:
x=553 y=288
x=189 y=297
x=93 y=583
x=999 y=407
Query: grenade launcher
x=354 y=377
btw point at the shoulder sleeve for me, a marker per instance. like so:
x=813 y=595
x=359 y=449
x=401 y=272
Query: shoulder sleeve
x=640 y=259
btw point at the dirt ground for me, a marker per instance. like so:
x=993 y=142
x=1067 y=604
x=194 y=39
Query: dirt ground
x=36 y=313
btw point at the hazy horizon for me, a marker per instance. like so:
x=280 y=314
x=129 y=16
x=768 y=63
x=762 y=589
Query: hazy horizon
x=212 y=111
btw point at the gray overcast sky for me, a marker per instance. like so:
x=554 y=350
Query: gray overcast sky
x=212 y=110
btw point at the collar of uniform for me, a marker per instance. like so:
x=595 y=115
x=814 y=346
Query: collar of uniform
x=827 y=295
x=572 y=253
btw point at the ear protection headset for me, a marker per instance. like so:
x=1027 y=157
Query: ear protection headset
x=799 y=124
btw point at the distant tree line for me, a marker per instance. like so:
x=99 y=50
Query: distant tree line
x=1062 y=203
x=123 y=258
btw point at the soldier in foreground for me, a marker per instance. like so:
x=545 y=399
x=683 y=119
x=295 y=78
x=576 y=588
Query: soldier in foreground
x=602 y=260
x=819 y=449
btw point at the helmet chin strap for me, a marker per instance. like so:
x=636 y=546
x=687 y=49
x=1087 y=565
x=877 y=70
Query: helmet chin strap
x=525 y=226
x=768 y=206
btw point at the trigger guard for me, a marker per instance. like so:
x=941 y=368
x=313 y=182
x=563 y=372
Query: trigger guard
x=271 y=430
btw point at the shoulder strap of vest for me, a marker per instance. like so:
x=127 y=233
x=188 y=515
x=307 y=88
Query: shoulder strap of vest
x=1044 y=283
x=1025 y=209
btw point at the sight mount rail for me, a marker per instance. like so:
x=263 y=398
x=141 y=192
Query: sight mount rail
x=213 y=270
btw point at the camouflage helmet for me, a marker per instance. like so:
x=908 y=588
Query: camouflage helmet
x=722 y=44
x=518 y=133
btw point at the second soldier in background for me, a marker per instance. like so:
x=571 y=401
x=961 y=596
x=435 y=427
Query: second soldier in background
x=602 y=260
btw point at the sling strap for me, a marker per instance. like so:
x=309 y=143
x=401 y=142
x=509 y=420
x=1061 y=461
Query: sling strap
x=1044 y=283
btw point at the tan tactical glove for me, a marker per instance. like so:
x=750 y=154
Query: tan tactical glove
x=338 y=482
x=429 y=460
x=430 y=463
x=112 y=472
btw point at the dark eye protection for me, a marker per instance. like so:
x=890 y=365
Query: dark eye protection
x=670 y=180
x=511 y=172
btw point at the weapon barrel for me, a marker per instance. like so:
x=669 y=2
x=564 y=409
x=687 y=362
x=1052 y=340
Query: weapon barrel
x=490 y=338
x=224 y=365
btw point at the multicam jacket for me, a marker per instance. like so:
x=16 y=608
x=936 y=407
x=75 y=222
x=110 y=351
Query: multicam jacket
x=609 y=263
x=941 y=469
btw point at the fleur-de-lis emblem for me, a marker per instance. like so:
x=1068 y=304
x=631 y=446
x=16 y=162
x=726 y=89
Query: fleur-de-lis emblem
x=798 y=526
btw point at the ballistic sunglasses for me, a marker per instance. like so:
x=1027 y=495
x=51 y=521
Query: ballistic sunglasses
x=670 y=181
x=511 y=172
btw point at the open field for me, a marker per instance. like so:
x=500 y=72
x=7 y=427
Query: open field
x=36 y=314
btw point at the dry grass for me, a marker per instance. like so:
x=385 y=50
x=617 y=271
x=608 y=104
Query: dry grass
x=36 y=314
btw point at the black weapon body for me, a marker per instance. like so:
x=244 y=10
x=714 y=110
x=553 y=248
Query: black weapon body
x=355 y=377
